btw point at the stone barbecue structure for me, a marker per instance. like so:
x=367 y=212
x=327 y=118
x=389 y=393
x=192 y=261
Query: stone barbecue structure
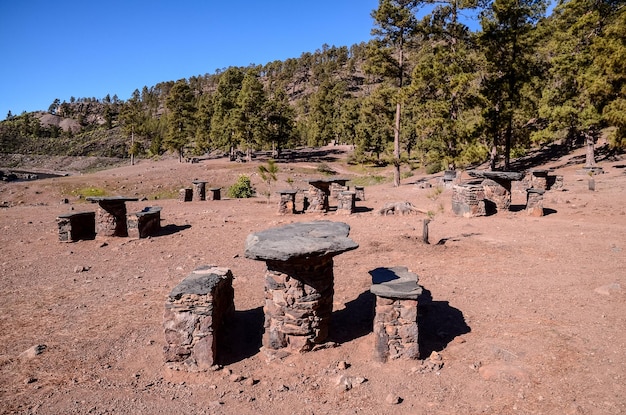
x=299 y=280
x=395 y=319
x=195 y=313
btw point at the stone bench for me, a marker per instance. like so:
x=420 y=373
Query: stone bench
x=287 y=203
x=196 y=310
x=145 y=223
x=76 y=225
x=468 y=199
x=185 y=194
x=534 y=202
x=346 y=203
x=395 y=318
x=214 y=193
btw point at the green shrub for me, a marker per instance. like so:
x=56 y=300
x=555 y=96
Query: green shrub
x=325 y=169
x=242 y=189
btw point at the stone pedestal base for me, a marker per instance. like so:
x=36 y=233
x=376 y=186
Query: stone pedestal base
x=298 y=303
x=195 y=312
x=318 y=200
x=111 y=219
x=199 y=190
x=145 y=223
x=395 y=329
x=498 y=193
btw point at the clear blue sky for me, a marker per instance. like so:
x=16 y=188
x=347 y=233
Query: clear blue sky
x=60 y=49
x=65 y=48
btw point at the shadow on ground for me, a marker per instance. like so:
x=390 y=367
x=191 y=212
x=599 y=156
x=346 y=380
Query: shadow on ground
x=242 y=336
x=438 y=324
x=172 y=229
x=355 y=320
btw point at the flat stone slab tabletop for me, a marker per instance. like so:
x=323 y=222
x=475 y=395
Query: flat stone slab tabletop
x=395 y=282
x=496 y=175
x=105 y=199
x=300 y=241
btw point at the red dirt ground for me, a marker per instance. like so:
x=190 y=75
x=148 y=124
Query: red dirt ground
x=527 y=314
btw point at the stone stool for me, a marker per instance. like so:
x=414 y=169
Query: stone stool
x=185 y=194
x=337 y=186
x=76 y=225
x=360 y=193
x=199 y=190
x=145 y=223
x=468 y=199
x=395 y=318
x=215 y=193
x=345 y=203
x=287 y=203
x=299 y=280
x=534 y=202
x=195 y=313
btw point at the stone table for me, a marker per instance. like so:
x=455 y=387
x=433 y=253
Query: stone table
x=111 y=215
x=497 y=185
x=299 y=280
x=199 y=190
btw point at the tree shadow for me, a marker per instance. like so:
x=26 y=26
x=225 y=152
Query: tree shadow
x=355 y=320
x=443 y=241
x=242 y=336
x=171 y=229
x=438 y=324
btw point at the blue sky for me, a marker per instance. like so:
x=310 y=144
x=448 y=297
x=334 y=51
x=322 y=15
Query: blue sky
x=85 y=49
x=93 y=48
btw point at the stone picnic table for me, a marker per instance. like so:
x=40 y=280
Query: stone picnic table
x=111 y=215
x=497 y=185
x=299 y=280
x=320 y=190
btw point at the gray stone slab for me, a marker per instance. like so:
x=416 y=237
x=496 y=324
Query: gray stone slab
x=201 y=281
x=496 y=175
x=300 y=240
x=395 y=282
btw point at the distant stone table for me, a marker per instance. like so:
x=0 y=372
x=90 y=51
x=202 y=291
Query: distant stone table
x=497 y=186
x=111 y=215
x=299 y=280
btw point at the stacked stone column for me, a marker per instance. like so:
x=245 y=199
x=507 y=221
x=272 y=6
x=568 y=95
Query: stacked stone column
x=395 y=320
x=468 y=200
x=199 y=190
x=346 y=203
x=195 y=312
x=299 y=280
x=298 y=303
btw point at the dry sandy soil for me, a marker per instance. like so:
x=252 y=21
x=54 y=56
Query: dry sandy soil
x=527 y=314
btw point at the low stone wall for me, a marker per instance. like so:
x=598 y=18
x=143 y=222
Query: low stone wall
x=195 y=313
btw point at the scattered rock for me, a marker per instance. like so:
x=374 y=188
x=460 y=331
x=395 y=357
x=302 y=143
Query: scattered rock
x=343 y=365
x=235 y=378
x=503 y=371
x=81 y=268
x=392 y=399
x=33 y=351
x=608 y=289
